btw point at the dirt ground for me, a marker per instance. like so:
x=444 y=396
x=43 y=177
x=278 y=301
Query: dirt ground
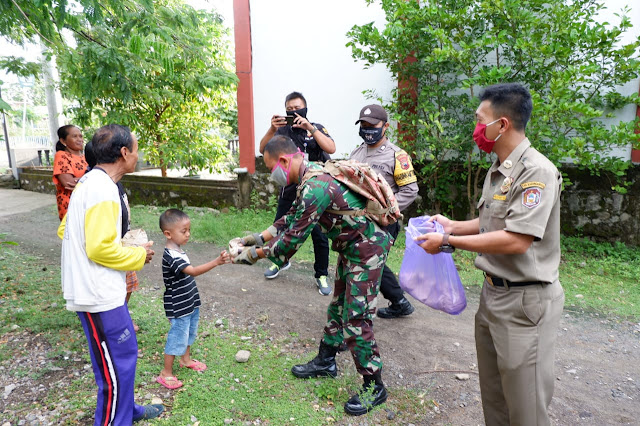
x=597 y=359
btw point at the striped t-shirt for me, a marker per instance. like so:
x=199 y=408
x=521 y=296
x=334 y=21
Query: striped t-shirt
x=181 y=294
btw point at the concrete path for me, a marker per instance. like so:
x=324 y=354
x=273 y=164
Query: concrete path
x=15 y=201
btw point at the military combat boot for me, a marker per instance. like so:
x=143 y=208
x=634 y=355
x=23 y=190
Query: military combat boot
x=324 y=364
x=402 y=308
x=373 y=393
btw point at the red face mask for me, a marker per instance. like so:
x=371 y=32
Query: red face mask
x=481 y=140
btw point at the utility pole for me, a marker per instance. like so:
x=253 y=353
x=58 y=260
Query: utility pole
x=13 y=167
x=52 y=95
x=24 y=114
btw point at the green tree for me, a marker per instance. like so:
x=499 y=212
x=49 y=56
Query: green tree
x=160 y=67
x=24 y=21
x=450 y=49
x=42 y=21
x=165 y=71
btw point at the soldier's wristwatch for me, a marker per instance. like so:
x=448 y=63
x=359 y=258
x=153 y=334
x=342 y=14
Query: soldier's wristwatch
x=446 y=247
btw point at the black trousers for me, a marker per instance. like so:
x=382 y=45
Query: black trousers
x=389 y=286
x=320 y=241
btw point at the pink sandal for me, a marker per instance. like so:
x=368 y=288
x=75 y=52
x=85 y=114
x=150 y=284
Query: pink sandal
x=196 y=366
x=170 y=382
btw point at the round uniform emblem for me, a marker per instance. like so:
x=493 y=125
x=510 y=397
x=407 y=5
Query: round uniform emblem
x=531 y=197
x=403 y=159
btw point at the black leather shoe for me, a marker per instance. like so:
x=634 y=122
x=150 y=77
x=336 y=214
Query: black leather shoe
x=324 y=364
x=396 y=310
x=363 y=402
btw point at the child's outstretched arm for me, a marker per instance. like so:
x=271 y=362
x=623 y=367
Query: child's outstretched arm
x=194 y=271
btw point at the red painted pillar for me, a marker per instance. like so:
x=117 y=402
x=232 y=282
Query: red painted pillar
x=408 y=101
x=244 y=65
x=635 y=153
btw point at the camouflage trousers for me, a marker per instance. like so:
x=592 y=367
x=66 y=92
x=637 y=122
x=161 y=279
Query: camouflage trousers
x=350 y=313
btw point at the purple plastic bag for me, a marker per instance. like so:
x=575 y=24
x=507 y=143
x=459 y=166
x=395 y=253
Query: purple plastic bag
x=431 y=279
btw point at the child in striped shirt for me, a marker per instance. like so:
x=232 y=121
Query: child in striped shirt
x=181 y=298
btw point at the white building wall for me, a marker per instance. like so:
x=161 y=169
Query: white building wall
x=300 y=46
x=628 y=113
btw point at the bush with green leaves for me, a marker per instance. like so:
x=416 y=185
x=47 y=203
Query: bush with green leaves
x=449 y=50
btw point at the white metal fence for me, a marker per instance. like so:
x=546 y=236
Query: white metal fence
x=233 y=145
x=30 y=142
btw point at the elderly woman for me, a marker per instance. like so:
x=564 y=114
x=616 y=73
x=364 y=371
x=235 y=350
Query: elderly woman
x=69 y=165
x=93 y=275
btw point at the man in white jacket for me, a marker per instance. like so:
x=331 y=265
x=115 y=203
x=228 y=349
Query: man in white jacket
x=94 y=265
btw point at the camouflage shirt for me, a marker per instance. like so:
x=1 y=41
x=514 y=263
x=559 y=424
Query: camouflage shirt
x=350 y=234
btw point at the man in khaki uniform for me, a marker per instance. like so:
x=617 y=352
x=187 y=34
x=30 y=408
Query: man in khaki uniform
x=517 y=238
x=394 y=165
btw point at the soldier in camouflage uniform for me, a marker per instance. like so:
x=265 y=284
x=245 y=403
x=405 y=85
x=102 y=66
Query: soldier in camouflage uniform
x=362 y=246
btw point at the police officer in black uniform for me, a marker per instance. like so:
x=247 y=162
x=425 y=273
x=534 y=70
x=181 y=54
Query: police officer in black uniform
x=316 y=144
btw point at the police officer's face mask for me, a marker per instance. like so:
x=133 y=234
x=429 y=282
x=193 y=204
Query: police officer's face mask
x=279 y=175
x=302 y=112
x=371 y=135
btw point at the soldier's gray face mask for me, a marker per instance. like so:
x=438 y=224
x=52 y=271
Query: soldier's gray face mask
x=279 y=175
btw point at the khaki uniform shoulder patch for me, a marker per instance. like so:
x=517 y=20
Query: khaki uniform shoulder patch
x=532 y=184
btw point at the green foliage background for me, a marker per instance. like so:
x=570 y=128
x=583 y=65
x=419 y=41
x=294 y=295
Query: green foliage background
x=166 y=71
x=160 y=67
x=450 y=49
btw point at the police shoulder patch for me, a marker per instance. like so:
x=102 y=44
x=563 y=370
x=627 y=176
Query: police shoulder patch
x=531 y=197
x=403 y=171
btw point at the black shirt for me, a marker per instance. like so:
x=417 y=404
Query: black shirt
x=305 y=141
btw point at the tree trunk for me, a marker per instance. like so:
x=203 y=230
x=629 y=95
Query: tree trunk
x=163 y=165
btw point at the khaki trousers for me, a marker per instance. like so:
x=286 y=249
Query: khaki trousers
x=515 y=331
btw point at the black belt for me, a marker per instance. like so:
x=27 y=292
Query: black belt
x=499 y=282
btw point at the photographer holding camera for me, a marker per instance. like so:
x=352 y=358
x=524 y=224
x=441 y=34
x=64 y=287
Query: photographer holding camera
x=316 y=145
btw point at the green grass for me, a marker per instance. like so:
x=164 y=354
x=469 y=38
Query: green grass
x=599 y=277
x=262 y=389
x=29 y=298
x=602 y=277
x=605 y=275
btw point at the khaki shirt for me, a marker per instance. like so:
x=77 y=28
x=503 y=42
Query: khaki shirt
x=522 y=195
x=394 y=164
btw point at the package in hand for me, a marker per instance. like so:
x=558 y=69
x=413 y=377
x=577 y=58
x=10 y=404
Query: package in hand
x=135 y=238
x=235 y=247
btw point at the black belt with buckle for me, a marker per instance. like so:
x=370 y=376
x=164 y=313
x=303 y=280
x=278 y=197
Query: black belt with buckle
x=499 y=282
